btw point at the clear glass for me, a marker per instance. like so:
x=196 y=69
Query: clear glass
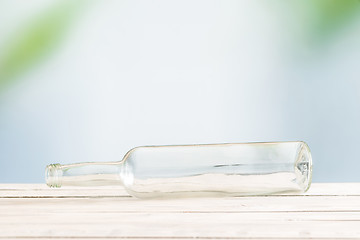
x=197 y=170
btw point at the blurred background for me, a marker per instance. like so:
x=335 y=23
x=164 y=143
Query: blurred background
x=88 y=80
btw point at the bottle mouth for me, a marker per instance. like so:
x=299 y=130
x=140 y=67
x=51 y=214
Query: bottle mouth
x=53 y=175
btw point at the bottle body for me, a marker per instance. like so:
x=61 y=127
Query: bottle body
x=209 y=170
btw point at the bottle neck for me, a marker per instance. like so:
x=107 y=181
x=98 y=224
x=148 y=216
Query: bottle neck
x=83 y=174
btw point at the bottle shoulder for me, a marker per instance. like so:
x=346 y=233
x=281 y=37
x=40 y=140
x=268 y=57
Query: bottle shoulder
x=132 y=151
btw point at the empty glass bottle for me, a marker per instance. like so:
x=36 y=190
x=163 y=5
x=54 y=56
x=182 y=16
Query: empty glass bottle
x=197 y=170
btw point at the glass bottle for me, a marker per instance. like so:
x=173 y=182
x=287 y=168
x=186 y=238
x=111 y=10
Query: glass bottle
x=197 y=170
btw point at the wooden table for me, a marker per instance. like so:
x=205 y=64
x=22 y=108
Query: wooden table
x=33 y=211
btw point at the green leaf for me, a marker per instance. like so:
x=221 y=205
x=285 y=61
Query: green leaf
x=331 y=15
x=36 y=41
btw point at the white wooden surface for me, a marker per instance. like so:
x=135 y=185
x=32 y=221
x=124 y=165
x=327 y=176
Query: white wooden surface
x=33 y=211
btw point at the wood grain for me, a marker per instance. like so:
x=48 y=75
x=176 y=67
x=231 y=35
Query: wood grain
x=33 y=211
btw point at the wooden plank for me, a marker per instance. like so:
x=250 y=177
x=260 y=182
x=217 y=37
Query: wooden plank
x=327 y=211
x=64 y=218
x=168 y=238
x=242 y=204
x=64 y=193
x=41 y=190
x=186 y=226
x=108 y=217
x=334 y=189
